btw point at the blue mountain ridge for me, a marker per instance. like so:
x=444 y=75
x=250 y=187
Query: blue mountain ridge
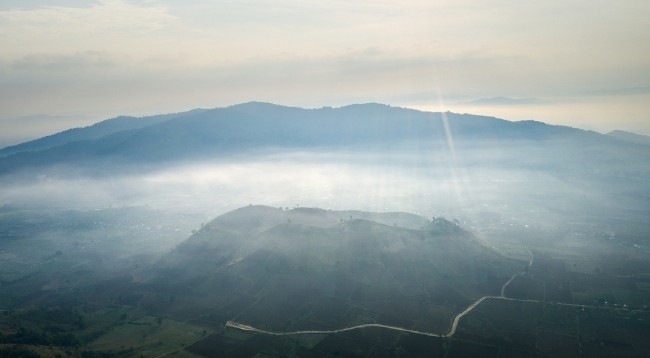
x=254 y=126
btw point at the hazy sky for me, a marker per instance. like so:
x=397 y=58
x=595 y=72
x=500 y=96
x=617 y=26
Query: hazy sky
x=581 y=63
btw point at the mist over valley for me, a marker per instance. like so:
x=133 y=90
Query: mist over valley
x=260 y=228
x=324 y=179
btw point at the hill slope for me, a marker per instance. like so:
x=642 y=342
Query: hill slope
x=630 y=137
x=95 y=131
x=307 y=268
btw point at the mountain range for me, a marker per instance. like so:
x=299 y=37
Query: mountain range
x=549 y=241
x=257 y=127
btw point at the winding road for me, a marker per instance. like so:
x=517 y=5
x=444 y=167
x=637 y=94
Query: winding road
x=530 y=264
x=245 y=327
x=450 y=333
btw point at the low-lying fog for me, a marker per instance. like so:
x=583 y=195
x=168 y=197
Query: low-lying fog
x=329 y=181
x=121 y=220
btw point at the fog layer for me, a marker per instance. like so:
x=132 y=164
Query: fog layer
x=428 y=186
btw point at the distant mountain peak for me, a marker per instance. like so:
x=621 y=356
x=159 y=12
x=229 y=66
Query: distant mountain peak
x=368 y=105
x=630 y=137
x=258 y=104
x=504 y=101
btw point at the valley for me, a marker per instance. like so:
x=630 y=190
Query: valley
x=229 y=308
x=385 y=232
x=440 y=179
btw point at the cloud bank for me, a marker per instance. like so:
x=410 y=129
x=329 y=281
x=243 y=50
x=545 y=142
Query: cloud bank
x=112 y=57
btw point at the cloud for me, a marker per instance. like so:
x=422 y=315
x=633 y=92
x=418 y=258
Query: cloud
x=59 y=29
x=143 y=57
x=421 y=185
x=21 y=129
x=63 y=62
x=504 y=101
x=86 y=79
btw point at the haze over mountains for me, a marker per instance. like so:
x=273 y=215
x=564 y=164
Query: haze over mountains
x=253 y=127
x=94 y=131
x=126 y=230
x=514 y=221
x=630 y=137
x=363 y=156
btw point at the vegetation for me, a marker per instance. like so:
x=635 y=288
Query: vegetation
x=310 y=269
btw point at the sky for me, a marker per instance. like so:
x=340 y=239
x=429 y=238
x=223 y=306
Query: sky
x=67 y=63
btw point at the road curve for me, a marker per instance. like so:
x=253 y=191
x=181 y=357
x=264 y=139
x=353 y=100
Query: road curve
x=452 y=327
x=530 y=264
x=245 y=327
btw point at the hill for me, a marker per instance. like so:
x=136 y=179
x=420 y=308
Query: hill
x=306 y=268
